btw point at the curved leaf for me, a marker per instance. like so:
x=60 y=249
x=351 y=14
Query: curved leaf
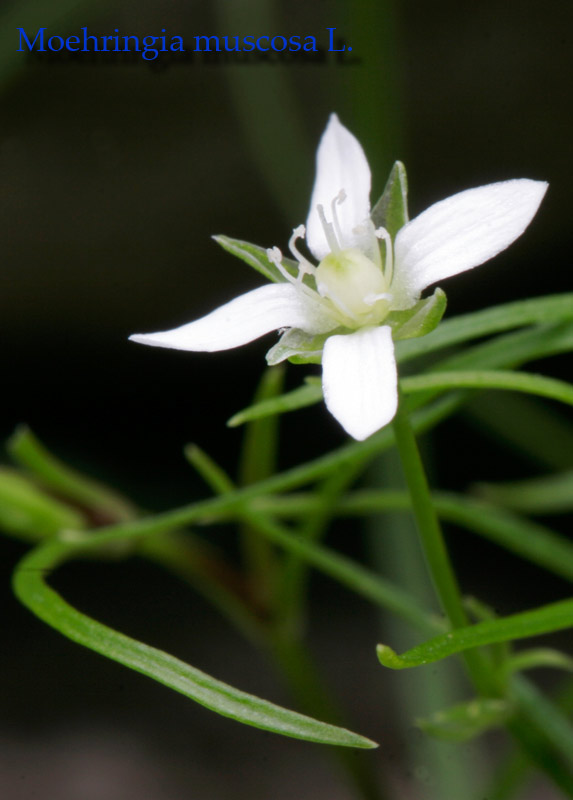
x=492 y=379
x=32 y=590
x=306 y=395
x=549 y=494
x=546 y=619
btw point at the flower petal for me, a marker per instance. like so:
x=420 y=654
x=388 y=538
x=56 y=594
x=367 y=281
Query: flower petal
x=340 y=164
x=461 y=232
x=359 y=380
x=246 y=318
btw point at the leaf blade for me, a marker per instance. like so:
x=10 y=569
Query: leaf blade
x=545 y=619
x=38 y=597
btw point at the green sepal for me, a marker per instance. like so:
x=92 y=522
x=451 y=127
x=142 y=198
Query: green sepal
x=466 y=720
x=306 y=395
x=391 y=210
x=420 y=319
x=256 y=257
x=29 y=513
x=298 y=347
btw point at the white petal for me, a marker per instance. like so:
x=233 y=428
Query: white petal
x=278 y=305
x=359 y=380
x=340 y=164
x=462 y=232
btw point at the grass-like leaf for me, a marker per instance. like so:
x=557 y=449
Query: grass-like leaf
x=32 y=590
x=492 y=379
x=466 y=720
x=306 y=395
x=550 y=309
x=29 y=513
x=545 y=619
x=549 y=494
x=105 y=503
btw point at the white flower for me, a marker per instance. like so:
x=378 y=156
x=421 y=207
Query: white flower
x=360 y=278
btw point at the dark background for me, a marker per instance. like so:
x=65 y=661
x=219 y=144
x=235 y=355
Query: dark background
x=113 y=177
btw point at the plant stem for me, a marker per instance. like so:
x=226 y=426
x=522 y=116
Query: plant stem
x=432 y=539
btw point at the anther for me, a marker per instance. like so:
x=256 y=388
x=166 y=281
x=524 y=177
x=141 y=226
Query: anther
x=275 y=257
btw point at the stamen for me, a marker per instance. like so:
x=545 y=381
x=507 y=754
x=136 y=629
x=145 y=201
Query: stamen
x=340 y=198
x=329 y=231
x=382 y=233
x=275 y=257
x=304 y=265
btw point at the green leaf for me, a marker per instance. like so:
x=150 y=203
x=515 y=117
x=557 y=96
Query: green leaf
x=33 y=592
x=512 y=350
x=306 y=395
x=29 y=513
x=466 y=720
x=490 y=379
x=528 y=426
x=545 y=619
x=540 y=711
x=550 y=494
x=256 y=257
x=481 y=612
x=260 y=448
x=538 y=657
x=106 y=504
x=297 y=346
x=419 y=320
x=550 y=309
x=527 y=539
x=391 y=210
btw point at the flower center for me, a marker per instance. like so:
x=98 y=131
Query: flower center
x=355 y=286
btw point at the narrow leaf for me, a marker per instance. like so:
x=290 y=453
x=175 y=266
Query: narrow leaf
x=33 y=592
x=29 y=513
x=306 y=395
x=490 y=379
x=550 y=494
x=546 y=619
x=29 y=452
x=527 y=539
x=260 y=448
x=543 y=434
x=466 y=720
x=538 y=657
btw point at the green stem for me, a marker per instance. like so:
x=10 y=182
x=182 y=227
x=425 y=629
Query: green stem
x=282 y=640
x=291 y=599
x=432 y=540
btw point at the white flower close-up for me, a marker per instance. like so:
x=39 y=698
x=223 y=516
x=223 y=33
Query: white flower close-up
x=362 y=276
